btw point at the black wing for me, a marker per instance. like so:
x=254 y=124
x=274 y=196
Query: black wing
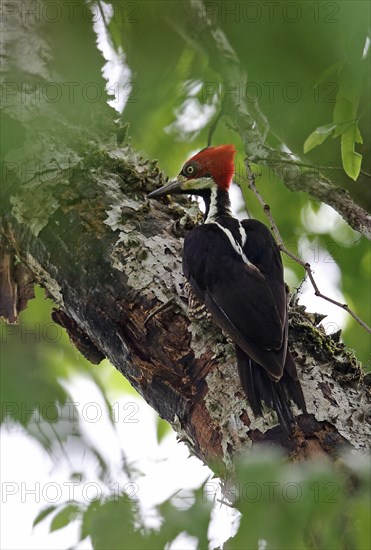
x=262 y=250
x=243 y=301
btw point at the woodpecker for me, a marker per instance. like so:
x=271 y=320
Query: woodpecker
x=235 y=269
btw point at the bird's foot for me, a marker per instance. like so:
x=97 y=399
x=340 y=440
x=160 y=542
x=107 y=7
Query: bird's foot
x=196 y=310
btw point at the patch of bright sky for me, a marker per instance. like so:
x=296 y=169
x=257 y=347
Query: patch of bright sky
x=191 y=117
x=327 y=220
x=238 y=205
x=193 y=87
x=327 y=275
x=327 y=272
x=115 y=70
x=366 y=48
x=29 y=478
x=324 y=220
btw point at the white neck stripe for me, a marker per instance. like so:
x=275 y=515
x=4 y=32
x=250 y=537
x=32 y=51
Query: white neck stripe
x=242 y=233
x=236 y=246
x=213 y=210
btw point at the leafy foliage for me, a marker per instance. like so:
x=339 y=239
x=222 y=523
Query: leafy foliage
x=299 y=506
x=345 y=119
x=285 y=505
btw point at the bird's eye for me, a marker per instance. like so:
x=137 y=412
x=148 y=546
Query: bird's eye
x=189 y=169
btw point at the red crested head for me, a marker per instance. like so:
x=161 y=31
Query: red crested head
x=211 y=167
x=215 y=162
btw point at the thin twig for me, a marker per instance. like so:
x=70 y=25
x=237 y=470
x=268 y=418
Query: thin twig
x=281 y=244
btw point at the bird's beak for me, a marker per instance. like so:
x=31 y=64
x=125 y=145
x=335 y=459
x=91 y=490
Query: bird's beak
x=173 y=186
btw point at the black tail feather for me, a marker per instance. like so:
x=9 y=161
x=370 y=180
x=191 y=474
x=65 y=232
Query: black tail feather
x=260 y=388
x=292 y=384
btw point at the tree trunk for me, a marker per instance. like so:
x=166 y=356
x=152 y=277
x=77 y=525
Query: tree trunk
x=79 y=220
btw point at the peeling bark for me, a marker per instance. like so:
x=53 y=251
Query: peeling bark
x=16 y=284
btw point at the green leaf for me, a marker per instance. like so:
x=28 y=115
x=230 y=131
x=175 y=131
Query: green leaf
x=64 y=517
x=87 y=519
x=358 y=137
x=351 y=159
x=43 y=514
x=330 y=71
x=317 y=137
x=347 y=99
x=111 y=526
x=194 y=521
